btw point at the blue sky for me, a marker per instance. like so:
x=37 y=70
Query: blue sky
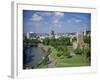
x=60 y=22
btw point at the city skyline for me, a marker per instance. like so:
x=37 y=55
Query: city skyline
x=60 y=22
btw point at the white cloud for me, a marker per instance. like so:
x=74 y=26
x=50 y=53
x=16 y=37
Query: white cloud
x=55 y=21
x=44 y=13
x=57 y=16
x=77 y=20
x=74 y=20
x=60 y=14
x=36 y=17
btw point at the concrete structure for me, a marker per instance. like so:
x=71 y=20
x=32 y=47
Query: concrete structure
x=31 y=35
x=27 y=35
x=75 y=45
x=79 y=36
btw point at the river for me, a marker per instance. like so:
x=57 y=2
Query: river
x=32 y=56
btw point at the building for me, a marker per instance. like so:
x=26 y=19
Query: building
x=27 y=35
x=31 y=35
x=52 y=33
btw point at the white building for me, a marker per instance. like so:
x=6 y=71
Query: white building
x=27 y=35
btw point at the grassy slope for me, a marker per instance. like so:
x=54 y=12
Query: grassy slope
x=63 y=61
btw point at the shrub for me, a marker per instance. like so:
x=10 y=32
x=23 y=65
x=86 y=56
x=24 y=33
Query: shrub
x=58 y=54
x=78 y=51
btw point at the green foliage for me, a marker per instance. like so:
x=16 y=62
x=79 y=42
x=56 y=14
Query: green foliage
x=46 y=41
x=59 y=54
x=74 y=39
x=86 y=52
x=32 y=41
x=44 y=62
x=62 y=57
x=56 y=42
x=78 y=51
x=66 y=54
x=87 y=39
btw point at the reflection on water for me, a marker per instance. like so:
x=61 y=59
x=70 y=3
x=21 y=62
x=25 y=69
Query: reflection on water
x=32 y=56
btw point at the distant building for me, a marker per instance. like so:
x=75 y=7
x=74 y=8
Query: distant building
x=52 y=33
x=31 y=35
x=27 y=35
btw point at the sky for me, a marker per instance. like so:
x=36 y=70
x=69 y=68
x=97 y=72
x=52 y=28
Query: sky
x=60 y=22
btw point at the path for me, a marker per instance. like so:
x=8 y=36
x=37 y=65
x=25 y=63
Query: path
x=53 y=62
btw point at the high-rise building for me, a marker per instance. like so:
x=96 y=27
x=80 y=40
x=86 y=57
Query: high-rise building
x=52 y=33
x=27 y=35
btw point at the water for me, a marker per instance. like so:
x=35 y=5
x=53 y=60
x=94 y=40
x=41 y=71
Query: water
x=33 y=56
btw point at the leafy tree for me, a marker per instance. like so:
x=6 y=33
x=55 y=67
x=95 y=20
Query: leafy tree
x=87 y=39
x=86 y=52
x=78 y=51
x=59 y=54
x=74 y=39
x=46 y=41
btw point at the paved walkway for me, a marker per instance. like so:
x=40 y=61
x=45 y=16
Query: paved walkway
x=53 y=62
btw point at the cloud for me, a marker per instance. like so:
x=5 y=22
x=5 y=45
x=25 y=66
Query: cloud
x=55 y=21
x=36 y=17
x=57 y=16
x=77 y=20
x=44 y=13
x=74 y=20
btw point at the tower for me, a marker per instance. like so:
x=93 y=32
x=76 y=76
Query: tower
x=52 y=33
x=79 y=36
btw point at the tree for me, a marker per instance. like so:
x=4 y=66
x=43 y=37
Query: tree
x=87 y=39
x=78 y=51
x=46 y=41
x=86 y=52
x=74 y=39
x=59 y=54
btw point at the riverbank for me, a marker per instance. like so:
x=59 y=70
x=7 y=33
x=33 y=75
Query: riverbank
x=46 y=56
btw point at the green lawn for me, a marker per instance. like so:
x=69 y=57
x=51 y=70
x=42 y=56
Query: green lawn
x=73 y=61
x=64 y=61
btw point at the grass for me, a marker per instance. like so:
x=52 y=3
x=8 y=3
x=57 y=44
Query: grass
x=64 y=61
x=43 y=63
x=77 y=60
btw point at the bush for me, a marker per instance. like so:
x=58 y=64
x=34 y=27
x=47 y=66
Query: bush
x=59 y=54
x=78 y=51
x=62 y=57
x=86 y=52
x=69 y=56
x=87 y=39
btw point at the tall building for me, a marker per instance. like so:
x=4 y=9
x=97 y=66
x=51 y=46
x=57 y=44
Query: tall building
x=52 y=33
x=27 y=35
